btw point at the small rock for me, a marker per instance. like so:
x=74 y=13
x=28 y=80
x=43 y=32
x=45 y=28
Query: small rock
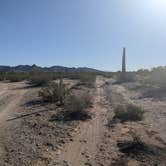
x=109 y=136
x=101 y=149
x=88 y=164
x=62 y=141
x=87 y=156
x=85 y=141
x=82 y=153
x=68 y=134
x=71 y=139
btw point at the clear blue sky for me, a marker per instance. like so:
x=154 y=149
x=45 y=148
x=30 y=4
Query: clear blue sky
x=83 y=33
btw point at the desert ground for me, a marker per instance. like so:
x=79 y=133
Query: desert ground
x=30 y=135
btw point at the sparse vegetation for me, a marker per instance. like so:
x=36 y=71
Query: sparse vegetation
x=39 y=78
x=51 y=126
x=77 y=107
x=157 y=77
x=125 y=77
x=136 y=138
x=153 y=83
x=154 y=92
x=86 y=78
x=128 y=112
x=54 y=92
x=134 y=147
x=13 y=76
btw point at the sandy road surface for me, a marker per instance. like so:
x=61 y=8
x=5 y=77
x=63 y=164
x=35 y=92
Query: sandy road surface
x=10 y=97
x=83 y=149
x=93 y=143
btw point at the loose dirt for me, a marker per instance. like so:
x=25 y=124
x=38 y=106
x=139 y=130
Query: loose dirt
x=84 y=147
x=28 y=136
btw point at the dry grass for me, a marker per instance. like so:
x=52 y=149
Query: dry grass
x=77 y=107
x=125 y=77
x=54 y=92
x=128 y=112
x=135 y=146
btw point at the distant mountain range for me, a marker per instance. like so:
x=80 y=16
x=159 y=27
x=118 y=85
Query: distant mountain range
x=27 y=68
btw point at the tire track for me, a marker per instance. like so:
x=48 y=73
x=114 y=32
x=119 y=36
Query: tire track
x=83 y=149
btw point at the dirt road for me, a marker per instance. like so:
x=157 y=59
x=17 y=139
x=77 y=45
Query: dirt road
x=96 y=145
x=84 y=148
x=35 y=139
x=10 y=98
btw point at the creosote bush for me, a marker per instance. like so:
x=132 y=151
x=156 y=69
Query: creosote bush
x=54 y=92
x=13 y=76
x=155 y=92
x=156 y=77
x=135 y=146
x=128 y=112
x=125 y=77
x=136 y=138
x=77 y=107
x=154 y=84
x=39 y=78
x=86 y=78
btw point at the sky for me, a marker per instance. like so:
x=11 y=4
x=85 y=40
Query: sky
x=82 y=33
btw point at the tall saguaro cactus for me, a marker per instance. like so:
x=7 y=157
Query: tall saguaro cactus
x=124 y=61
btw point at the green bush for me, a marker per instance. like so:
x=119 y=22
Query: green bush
x=128 y=112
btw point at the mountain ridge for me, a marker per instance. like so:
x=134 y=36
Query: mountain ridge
x=55 y=68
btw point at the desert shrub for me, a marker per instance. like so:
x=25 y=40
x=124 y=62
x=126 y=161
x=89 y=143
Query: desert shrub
x=87 y=99
x=122 y=160
x=86 y=78
x=77 y=107
x=125 y=77
x=13 y=76
x=128 y=112
x=39 y=78
x=1 y=76
x=54 y=92
x=155 y=92
x=154 y=84
x=136 y=137
x=107 y=74
x=157 y=77
x=135 y=146
x=142 y=73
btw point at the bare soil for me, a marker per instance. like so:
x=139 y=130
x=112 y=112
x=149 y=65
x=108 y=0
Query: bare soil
x=30 y=137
